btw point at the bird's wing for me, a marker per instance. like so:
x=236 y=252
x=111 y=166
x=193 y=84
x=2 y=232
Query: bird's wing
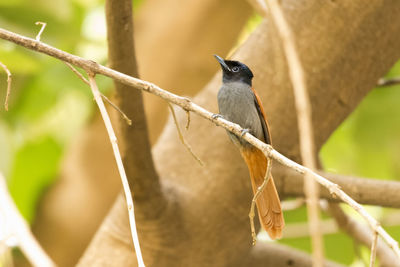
x=262 y=116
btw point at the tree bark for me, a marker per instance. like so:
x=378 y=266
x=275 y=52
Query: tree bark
x=205 y=222
x=363 y=190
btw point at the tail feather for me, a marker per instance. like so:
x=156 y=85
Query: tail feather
x=268 y=203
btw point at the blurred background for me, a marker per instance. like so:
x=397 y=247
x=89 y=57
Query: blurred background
x=49 y=106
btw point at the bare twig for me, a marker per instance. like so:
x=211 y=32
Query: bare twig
x=373 y=250
x=8 y=84
x=255 y=197
x=77 y=73
x=19 y=229
x=188 y=120
x=388 y=82
x=124 y=116
x=188 y=105
x=304 y=121
x=121 y=169
x=41 y=29
x=361 y=234
x=128 y=121
x=188 y=147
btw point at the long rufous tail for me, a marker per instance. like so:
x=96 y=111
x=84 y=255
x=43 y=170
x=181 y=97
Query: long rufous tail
x=268 y=203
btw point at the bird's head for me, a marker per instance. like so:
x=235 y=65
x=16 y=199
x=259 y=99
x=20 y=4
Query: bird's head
x=234 y=71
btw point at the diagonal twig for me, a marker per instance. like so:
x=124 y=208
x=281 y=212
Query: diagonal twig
x=360 y=233
x=124 y=116
x=121 y=169
x=188 y=147
x=373 y=249
x=255 y=197
x=304 y=121
x=188 y=120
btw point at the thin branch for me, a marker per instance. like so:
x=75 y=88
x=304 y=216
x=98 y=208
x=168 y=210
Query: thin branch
x=361 y=234
x=188 y=120
x=41 y=29
x=188 y=147
x=304 y=121
x=388 y=82
x=373 y=249
x=255 y=197
x=20 y=229
x=186 y=104
x=124 y=116
x=8 y=84
x=121 y=169
x=77 y=73
x=128 y=121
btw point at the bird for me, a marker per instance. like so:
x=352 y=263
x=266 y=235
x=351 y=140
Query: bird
x=238 y=102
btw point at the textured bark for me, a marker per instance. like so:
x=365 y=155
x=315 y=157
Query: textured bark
x=139 y=167
x=365 y=191
x=74 y=207
x=267 y=254
x=206 y=223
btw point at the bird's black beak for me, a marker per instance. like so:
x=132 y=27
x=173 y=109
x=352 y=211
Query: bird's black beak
x=222 y=62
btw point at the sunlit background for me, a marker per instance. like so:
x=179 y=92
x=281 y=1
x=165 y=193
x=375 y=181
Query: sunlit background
x=49 y=106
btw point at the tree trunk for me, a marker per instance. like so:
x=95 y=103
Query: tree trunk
x=205 y=222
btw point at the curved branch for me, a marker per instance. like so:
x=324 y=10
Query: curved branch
x=363 y=190
x=118 y=159
x=267 y=254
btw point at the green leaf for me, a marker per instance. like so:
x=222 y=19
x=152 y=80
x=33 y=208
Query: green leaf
x=35 y=167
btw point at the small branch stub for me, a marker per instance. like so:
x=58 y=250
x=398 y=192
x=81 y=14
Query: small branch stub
x=8 y=84
x=41 y=29
x=188 y=147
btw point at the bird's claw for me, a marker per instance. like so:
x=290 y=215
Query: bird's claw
x=244 y=131
x=215 y=116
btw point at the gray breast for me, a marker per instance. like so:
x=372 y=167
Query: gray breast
x=236 y=103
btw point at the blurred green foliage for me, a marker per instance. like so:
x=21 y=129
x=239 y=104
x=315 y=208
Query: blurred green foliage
x=49 y=105
x=366 y=144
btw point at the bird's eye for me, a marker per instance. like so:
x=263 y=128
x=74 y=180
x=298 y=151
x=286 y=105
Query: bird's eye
x=235 y=69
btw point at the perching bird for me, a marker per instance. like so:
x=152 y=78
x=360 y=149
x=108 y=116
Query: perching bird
x=238 y=102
